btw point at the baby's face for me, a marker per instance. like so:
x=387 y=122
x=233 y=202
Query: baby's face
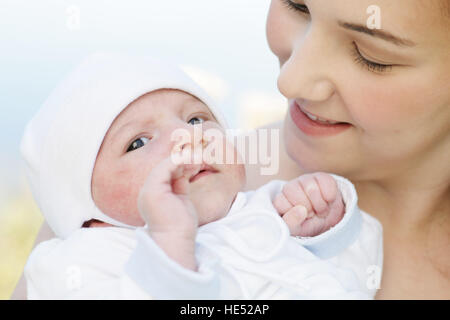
x=139 y=139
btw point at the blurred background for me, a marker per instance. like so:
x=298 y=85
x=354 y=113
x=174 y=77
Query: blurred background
x=221 y=44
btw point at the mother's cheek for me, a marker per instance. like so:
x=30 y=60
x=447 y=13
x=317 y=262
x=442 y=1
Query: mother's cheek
x=279 y=32
x=384 y=107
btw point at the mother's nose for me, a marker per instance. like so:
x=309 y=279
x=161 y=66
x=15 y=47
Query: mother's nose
x=307 y=72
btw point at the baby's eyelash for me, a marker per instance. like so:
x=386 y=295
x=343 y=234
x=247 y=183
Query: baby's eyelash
x=296 y=6
x=203 y=116
x=370 y=65
x=202 y=119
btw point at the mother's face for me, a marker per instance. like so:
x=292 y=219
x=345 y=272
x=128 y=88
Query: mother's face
x=389 y=89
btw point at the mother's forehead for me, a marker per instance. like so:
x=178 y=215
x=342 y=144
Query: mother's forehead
x=406 y=18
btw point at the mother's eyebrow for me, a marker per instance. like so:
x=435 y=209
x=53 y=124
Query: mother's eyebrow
x=377 y=33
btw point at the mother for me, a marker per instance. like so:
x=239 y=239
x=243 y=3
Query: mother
x=389 y=91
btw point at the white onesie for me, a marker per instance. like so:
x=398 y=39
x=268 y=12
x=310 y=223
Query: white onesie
x=248 y=254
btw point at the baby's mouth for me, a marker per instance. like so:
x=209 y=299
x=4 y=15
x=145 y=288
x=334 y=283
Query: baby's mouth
x=204 y=170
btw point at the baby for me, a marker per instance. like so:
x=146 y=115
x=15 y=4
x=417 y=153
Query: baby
x=100 y=153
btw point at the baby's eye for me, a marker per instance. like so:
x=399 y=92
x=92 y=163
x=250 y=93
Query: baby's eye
x=196 y=120
x=138 y=143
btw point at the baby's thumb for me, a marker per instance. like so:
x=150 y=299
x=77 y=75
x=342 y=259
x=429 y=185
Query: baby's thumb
x=181 y=185
x=294 y=219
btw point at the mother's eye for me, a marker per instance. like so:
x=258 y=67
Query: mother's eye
x=196 y=120
x=138 y=143
x=296 y=6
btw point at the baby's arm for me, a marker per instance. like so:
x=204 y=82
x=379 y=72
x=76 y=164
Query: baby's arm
x=163 y=262
x=170 y=215
x=92 y=264
x=310 y=204
x=355 y=239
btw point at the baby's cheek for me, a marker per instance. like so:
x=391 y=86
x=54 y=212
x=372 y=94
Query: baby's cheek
x=241 y=176
x=119 y=201
x=234 y=175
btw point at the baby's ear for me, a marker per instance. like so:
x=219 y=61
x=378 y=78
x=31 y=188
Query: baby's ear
x=94 y=223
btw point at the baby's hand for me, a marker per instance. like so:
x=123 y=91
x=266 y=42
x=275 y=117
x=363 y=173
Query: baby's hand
x=164 y=202
x=310 y=204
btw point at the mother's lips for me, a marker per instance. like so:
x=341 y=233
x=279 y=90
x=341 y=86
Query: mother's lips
x=315 y=117
x=312 y=127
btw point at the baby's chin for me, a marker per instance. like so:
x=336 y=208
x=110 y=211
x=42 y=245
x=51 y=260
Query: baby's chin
x=211 y=206
x=213 y=199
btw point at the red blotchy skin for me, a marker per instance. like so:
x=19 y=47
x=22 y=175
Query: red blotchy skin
x=119 y=175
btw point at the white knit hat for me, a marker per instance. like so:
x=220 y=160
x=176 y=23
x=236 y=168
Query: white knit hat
x=61 y=142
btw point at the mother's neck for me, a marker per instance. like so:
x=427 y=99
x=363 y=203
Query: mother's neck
x=416 y=195
x=410 y=206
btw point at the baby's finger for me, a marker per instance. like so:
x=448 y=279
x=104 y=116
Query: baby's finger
x=294 y=219
x=328 y=186
x=312 y=190
x=294 y=193
x=183 y=154
x=281 y=204
x=157 y=183
x=163 y=173
x=180 y=185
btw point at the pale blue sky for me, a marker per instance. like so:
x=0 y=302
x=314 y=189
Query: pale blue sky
x=39 y=45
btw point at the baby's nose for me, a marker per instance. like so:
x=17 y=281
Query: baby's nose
x=193 y=144
x=188 y=137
